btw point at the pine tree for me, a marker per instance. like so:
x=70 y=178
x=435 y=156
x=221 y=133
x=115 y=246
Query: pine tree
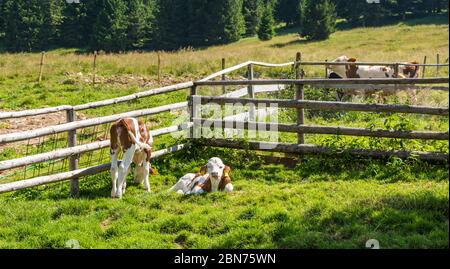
x=232 y=20
x=266 y=29
x=171 y=29
x=150 y=23
x=136 y=16
x=223 y=21
x=49 y=33
x=2 y=17
x=110 y=28
x=73 y=25
x=288 y=11
x=318 y=19
x=31 y=24
x=252 y=12
x=197 y=30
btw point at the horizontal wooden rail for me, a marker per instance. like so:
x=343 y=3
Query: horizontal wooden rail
x=369 y=63
x=314 y=149
x=134 y=96
x=314 y=129
x=272 y=65
x=53 y=155
x=226 y=71
x=263 y=64
x=385 y=81
x=32 y=112
x=28 y=183
x=382 y=87
x=20 y=136
x=66 y=152
x=326 y=105
x=117 y=100
x=6 y=138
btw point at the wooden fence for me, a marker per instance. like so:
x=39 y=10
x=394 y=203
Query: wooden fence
x=73 y=151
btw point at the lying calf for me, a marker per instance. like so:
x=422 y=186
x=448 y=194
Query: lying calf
x=212 y=177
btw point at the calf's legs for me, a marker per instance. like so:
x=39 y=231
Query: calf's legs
x=146 y=166
x=123 y=170
x=141 y=173
x=114 y=172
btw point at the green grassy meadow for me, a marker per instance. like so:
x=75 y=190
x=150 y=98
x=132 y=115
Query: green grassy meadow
x=323 y=202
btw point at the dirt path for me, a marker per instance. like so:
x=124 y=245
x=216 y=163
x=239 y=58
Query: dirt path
x=32 y=123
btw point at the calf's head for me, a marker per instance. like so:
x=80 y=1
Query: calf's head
x=215 y=168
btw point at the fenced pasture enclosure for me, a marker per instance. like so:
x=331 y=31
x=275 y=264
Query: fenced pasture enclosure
x=71 y=149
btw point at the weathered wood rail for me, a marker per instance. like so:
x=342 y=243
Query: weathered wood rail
x=300 y=104
x=72 y=152
x=252 y=87
x=314 y=149
x=113 y=101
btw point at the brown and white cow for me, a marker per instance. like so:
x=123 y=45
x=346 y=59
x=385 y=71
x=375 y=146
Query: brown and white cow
x=132 y=137
x=351 y=70
x=212 y=177
x=409 y=70
x=406 y=70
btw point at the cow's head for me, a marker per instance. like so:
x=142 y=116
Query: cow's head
x=410 y=71
x=215 y=168
x=343 y=70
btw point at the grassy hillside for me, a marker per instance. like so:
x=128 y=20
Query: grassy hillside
x=321 y=203
x=61 y=84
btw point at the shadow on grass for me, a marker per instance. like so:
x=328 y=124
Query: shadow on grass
x=411 y=20
x=292 y=43
x=246 y=165
x=396 y=221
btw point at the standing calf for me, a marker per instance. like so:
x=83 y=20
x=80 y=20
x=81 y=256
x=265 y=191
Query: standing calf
x=135 y=140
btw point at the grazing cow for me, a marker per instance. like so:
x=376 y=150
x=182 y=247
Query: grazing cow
x=130 y=135
x=352 y=70
x=212 y=177
x=361 y=71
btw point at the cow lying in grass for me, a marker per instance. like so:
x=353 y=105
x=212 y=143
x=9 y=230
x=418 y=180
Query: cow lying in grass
x=132 y=137
x=351 y=70
x=212 y=177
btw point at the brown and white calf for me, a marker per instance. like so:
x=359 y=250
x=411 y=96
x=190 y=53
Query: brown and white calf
x=212 y=177
x=132 y=137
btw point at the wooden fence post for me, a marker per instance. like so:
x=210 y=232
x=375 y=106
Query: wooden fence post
x=423 y=67
x=73 y=160
x=223 y=76
x=437 y=67
x=299 y=95
x=396 y=70
x=396 y=74
x=326 y=69
x=41 y=66
x=193 y=113
x=159 y=68
x=251 y=92
x=94 y=68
